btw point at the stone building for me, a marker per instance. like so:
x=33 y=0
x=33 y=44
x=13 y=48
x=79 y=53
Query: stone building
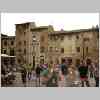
x=8 y=47
x=61 y=45
x=41 y=44
x=74 y=45
x=31 y=43
x=24 y=43
x=87 y=41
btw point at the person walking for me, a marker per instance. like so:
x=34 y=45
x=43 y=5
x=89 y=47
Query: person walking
x=96 y=74
x=38 y=71
x=23 y=75
x=71 y=77
x=53 y=79
x=29 y=71
x=64 y=67
x=90 y=68
x=83 y=71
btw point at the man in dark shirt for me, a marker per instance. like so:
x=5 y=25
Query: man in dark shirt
x=83 y=70
x=23 y=75
x=64 y=67
x=38 y=71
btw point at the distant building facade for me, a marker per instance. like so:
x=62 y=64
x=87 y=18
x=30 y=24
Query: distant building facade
x=24 y=43
x=40 y=43
x=34 y=45
x=8 y=47
x=74 y=45
x=31 y=43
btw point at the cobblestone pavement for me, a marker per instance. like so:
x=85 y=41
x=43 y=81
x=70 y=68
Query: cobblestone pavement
x=32 y=83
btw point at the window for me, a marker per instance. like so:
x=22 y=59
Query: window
x=11 y=52
x=19 y=43
x=19 y=61
x=24 y=42
x=85 y=39
x=24 y=33
x=24 y=51
x=50 y=37
x=5 y=51
x=1 y=51
x=62 y=37
x=42 y=38
x=51 y=62
x=19 y=50
x=56 y=37
x=86 y=50
x=51 y=49
x=20 y=29
x=62 y=50
x=77 y=37
x=78 y=49
x=12 y=42
x=42 y=49
x=5 y=43
x=69 y=37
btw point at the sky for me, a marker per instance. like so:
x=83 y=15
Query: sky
x=65 y=21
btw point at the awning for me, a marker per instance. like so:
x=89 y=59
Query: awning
x=5 y=55
x=12 y=56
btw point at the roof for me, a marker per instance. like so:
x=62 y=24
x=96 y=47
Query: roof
x=73 y=31
x=3 y=35
x=41 y=28
x=24 y=23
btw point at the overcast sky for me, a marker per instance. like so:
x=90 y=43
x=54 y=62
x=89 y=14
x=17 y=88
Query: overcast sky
x=66 y=21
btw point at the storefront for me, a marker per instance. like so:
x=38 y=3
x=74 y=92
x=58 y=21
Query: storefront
x=7 y=60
